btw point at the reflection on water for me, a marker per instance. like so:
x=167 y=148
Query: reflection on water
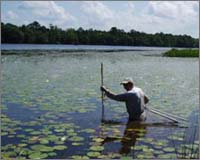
x=130 y=136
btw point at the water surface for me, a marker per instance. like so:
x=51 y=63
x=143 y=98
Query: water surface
x=54 y=101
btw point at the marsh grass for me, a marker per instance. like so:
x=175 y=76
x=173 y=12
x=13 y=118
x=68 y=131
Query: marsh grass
x=182 y=53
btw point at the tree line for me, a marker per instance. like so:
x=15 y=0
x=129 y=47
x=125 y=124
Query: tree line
x=34 y=33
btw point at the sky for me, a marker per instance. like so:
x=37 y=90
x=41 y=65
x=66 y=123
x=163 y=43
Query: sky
x=175 y=17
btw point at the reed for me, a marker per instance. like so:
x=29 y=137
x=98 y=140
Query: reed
x=189 y=149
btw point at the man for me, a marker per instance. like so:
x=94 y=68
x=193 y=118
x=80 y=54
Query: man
x=134 y=98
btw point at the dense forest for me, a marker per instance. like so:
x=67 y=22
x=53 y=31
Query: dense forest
x=34 y=33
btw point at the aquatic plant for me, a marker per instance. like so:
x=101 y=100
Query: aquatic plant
x=182 y=53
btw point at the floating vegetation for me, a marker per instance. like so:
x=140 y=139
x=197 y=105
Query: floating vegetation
x=52 y=154
x=113 y=155
x=98 y=140
x=38 y=155
x=77 y=144
x=76 y=139
x=175 y=137
x=88 y=130
x=182 y=53
x=80 y=157
x=126 y=158
x=97 y=148
x=168 y=149
x=167 y=156
x=160 y=143
x=60 y=147
x=42 y=148
x=93 y=154
x=145 y=156
x=35 y=133
x=44 y=141
x=146 y=140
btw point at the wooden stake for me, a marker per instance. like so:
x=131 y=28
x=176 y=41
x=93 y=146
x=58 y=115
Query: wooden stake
x=102 y=94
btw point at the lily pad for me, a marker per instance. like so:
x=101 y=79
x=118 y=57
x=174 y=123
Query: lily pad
x=114 y=155
x=52 y=154
x=9 y=154
x=146 y=140
x=148 y=156
x=80 y=157
x=44 y=141
x=98 y=139
x=29 y=130
x=4 y=133
x=34 y=139
x=169 y=149
x=59 y=142
x=158 y=152
x=174 y=137
x=72 y=134
x=76 y=139
x=136 y=147
x=35 y=133
x=82 y=110
x=22 y=144
x=59 y=130
x=88 y=130
x=97 y=148
x=42 y=148
x=21 y=136
x=25 y=152
x=93 y=154
x=160 y=143
x=76 y=144
x=38 y=155
x=126 y=158
x=60 y=147
x=147 y=150
x=167 y=156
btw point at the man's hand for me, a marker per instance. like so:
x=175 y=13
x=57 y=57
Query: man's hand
x=103 y=88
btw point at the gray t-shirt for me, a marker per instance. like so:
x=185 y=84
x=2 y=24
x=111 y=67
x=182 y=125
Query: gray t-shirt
x=132 y=100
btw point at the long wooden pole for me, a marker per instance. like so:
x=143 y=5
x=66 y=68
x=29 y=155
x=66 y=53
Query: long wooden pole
x=102 y=94
x=171 y=115
x=162 y=115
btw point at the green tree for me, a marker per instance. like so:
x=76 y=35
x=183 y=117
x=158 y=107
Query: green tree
x=35 y=33
x=11 y=34
x=71 y=36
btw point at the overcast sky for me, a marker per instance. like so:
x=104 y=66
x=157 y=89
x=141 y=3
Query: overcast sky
x=179 y=17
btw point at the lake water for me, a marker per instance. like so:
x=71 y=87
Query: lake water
x=74 y=47
x=51 y=105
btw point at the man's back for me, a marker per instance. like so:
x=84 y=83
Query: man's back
x=133 y=105
x=132 y=100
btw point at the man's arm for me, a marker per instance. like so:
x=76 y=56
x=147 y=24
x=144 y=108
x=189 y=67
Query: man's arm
x=146 y=99
x=111 y=95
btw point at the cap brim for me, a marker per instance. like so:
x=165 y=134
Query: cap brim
x=124 y=82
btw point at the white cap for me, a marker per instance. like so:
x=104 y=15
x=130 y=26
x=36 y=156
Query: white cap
x=127 y=80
